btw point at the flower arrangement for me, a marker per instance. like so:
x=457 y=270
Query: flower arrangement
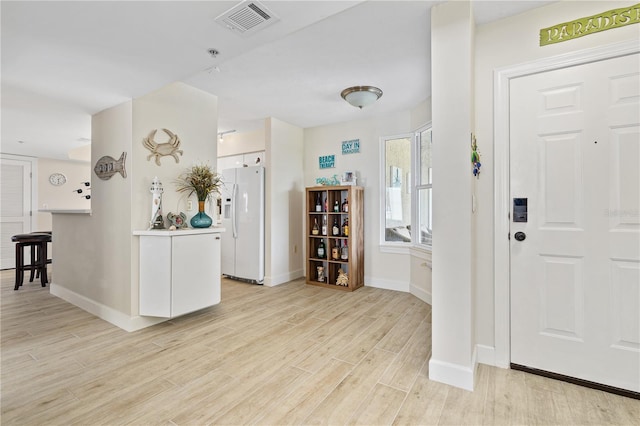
x=201 y=180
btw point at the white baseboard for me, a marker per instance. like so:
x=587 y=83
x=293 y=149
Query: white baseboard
x=104 y=312
x=460 y=376
x=420 y=293
x=486 y=355
x=283 y=278
x=386 y=284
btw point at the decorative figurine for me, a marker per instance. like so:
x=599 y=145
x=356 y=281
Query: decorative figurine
x=342 y=279
x=179 y=220
x=156 y=205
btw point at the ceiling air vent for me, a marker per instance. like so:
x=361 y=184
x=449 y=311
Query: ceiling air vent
x=247 y=18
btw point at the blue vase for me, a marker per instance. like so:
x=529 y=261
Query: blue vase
x=201 y=219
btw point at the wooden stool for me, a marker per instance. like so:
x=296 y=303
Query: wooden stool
x=34 y=257
x=38 y=244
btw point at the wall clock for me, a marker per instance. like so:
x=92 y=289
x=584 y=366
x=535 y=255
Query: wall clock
x=57 y=179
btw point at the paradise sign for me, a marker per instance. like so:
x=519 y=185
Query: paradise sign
x=591 y=24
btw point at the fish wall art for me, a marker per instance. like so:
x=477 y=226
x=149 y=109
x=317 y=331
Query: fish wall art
x=108 y=166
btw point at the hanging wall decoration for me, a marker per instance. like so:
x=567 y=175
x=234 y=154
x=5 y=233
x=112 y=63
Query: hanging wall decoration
x=162 y=149
x=475 y=157
x=327 y=161
x=351 y=147
x=108 y=166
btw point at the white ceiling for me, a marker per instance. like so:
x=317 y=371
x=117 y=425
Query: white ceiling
x=63 y=61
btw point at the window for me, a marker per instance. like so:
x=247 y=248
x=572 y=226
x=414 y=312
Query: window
x=406 y=189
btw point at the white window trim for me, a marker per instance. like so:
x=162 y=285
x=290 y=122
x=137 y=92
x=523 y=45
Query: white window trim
x=390 y=246
x=414 y=247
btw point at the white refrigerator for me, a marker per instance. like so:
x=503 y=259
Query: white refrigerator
x=243 y=218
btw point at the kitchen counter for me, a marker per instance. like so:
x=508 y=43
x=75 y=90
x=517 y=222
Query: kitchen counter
x=66 y=211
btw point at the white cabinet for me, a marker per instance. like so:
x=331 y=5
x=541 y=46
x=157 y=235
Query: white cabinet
x=241 y=160
x=179 y=271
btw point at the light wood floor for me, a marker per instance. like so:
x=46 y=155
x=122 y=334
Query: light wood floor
x=293 y=354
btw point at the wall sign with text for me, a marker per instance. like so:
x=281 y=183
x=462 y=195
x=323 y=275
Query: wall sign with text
x=327 y=161
x=591 y=24
x=351 y=147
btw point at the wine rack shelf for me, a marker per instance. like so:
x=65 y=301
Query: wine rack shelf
x=335 y=236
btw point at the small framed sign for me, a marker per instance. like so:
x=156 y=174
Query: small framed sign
x=351 y=147
x=327 y=161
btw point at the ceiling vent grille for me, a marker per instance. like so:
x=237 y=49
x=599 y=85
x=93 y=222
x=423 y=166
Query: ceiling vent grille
x=247 y=18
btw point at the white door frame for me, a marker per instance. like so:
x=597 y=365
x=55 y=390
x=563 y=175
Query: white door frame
x=502 y=205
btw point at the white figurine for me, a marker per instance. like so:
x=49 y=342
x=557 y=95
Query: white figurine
x=156 y=205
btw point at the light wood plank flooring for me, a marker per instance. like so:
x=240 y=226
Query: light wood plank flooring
x=293 y=354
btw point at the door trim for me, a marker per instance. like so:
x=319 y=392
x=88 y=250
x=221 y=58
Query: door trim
x=501 y=80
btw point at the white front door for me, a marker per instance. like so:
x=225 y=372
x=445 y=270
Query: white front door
x=575 y=278
x=15 y=206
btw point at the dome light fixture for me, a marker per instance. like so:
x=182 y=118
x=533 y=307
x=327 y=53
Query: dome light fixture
x=361 y=96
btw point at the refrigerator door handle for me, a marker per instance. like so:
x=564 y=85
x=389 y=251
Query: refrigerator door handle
x=234 y=226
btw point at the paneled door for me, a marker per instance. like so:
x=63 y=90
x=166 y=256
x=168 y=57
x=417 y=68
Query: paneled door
x=575 y=261
x=15 y=206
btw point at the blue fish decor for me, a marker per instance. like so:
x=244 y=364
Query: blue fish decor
x=108 y=166
x=475 y=157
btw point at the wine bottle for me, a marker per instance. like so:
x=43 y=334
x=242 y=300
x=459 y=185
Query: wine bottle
x=318 y=203
x=345 y=227
x=324 y=225
x=345 y=251
x=345 y=206
x=335 y=251
x=336 y=207
x=315 y=230
x=336 y=227
x=321 y=251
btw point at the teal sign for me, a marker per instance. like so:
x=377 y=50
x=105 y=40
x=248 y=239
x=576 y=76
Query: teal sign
x=327 y=161
x=351 y=147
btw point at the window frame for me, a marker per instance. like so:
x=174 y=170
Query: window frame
x=414 y=246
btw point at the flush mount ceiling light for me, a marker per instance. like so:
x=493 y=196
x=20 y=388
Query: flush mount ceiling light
x=361 y=96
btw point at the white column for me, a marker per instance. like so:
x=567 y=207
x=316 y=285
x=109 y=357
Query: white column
x=453 y=360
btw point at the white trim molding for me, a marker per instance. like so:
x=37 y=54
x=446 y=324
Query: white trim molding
x=460 y=376
x=104 y=312
x=386 y=284
x=273 y=281
x=502 y=77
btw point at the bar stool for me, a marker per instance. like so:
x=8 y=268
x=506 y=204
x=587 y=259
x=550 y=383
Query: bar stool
x=34 y=257
x=38 y=244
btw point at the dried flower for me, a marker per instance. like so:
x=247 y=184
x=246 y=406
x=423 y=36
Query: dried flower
x=201 y=180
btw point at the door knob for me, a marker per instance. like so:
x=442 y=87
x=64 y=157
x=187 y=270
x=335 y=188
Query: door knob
x=520 y=236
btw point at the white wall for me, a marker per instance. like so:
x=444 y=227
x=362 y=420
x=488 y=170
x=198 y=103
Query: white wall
x=240 y=143
x=100 y=270
x=284 y=202
x=61 y=197
x=500 y=44
x=453 y=339
x=93 y=253
x=384 y=270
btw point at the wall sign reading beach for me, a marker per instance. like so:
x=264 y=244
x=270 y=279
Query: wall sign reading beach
x=327 y=161
x=591 y=24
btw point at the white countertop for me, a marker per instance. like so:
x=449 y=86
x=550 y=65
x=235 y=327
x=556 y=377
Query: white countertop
x=66 y=211
x=186 y=231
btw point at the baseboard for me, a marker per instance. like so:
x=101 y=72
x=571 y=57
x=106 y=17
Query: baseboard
x=420 y=293
x=486 y=355
x=104 y=312
x=456 y=375
x=283 y=278
x=386 y=284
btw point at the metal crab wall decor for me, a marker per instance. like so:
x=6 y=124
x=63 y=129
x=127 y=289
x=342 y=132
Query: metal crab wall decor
x=162 y=149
